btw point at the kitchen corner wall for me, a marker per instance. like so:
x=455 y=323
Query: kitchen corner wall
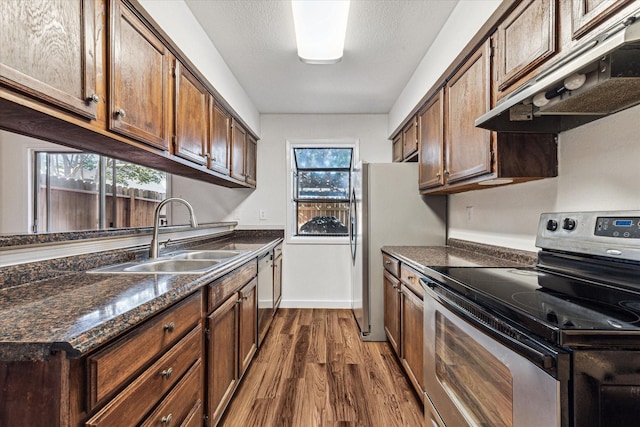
x=599 y=169
x=315 y=275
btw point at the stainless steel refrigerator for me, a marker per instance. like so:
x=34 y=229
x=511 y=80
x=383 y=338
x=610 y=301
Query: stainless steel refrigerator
x=386 y=209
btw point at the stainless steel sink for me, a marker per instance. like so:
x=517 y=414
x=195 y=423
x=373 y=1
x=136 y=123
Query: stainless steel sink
x=205 y=254
x=173 y=266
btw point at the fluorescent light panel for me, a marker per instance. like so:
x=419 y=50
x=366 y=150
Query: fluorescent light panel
x=321 y=27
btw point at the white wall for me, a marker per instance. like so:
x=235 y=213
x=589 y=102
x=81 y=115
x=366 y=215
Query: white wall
x=183 y=28
x=599 y=169
x=313 y=275
x=463 y=23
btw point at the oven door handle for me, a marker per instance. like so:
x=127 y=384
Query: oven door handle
x=542 y=356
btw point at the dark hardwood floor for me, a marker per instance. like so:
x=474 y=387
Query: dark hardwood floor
x=313 y=370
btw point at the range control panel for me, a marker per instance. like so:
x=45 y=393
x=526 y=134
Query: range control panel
x=622 y=227
x=605 y=233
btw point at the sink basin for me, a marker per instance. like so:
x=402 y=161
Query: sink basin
x=205 y=255
x=173 y=266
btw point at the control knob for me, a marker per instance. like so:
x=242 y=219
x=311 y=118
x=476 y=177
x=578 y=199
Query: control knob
x=569 y=224
x=552 y=225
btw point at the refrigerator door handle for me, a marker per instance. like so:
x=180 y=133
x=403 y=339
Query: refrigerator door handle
x=353 y=226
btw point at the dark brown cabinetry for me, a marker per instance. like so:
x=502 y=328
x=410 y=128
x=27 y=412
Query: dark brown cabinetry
x=392 y=289
x=586 y=15
x=238 y=151
x=397 y=148
x=191 y=112
x=220 y=140
x=232 y=334
x=525 y=40
x=467 y=148
x=431 y=142
x=410 y=139
x=252 y=158
x=140 y=78
x=64 y=42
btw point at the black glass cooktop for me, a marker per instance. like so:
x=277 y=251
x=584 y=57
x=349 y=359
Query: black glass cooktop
x=551 y=305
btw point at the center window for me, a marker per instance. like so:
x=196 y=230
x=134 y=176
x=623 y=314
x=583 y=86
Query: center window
x=321 y=184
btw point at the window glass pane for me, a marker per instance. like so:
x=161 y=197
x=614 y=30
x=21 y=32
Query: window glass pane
x=323 y=185
x=323 y=218
x=323 y=158
x=138 y=190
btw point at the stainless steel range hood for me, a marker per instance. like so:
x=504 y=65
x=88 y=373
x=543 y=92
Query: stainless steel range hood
x=608 y=69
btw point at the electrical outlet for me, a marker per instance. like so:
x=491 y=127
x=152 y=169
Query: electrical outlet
x=469 y=213
x=263 y=214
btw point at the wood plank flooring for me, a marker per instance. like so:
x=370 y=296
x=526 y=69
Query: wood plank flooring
x=313 y=370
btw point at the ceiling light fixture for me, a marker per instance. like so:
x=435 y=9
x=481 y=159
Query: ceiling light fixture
x=321 y=27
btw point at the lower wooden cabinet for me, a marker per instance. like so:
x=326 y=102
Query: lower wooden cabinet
x=277 y=277
x=403 y=318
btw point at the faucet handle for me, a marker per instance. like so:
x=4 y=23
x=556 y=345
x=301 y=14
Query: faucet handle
x=165 y=244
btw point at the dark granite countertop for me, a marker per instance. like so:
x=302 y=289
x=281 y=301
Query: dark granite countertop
x=78 y=311
x=460 y=254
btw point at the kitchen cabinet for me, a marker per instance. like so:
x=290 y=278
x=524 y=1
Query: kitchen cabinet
x=397 y=148
x=232 y=335
x=586 y=15
x=411 y=326
x=238 y=151
x=139 y=79
x=431 y=142
x=410 y=139
x=251 y=162
x=66 y=44
x=392 y=289
x=525 y=40
x=220 y=137
x=191 y=113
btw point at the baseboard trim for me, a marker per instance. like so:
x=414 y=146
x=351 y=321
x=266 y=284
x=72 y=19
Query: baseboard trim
x=314 y=304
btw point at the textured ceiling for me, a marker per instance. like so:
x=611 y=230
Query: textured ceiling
x=386 y=39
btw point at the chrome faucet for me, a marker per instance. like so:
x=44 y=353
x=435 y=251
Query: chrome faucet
x=154 y=249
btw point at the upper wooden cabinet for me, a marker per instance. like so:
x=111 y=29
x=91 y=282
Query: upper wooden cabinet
x=397 y=148
x=467 y=96
x=431 y=142
x=588 y=14
x=525 y=39
x=139 y=82
x=220 y=137
x=252 y=158
x=191 y=112
x=51 y=54
x=410 y=139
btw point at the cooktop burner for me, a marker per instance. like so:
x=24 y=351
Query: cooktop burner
x=546 y=303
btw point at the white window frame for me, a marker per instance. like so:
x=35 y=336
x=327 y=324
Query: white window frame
x=292 y=219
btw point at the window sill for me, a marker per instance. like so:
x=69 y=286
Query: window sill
x=317 y=240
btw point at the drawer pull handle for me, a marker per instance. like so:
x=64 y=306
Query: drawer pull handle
x=167 y=373
x=93 y=98
x=121 y=113
x=166 y=420
x=387 y=262
x=169 y=327
x=410 y=277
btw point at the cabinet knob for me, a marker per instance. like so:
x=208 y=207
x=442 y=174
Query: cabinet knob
x=167 y=373
x=93 y=98
x=387 y=262
x=166 y=420
x=410 y=277
x=438 y=175
x=121 y=113
x=169 y=327
x=446 y=173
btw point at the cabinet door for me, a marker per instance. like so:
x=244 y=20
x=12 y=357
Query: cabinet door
x=48 y=52
x=139 y=82
x=220 y=138
x=277 y=282
x=468 y=148
x=392 y=310
x=248 y=325
x=397 y=148
x=223 y=356
x=431 y=143
x=525 y=40
x=588 y=14
x=190 y=116
x=238 y=151
x=412 y=338
x=252 y=157
x=410 y=138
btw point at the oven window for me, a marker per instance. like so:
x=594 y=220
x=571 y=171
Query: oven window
x=478 y=383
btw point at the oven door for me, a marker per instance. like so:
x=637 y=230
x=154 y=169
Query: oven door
x=472 y=379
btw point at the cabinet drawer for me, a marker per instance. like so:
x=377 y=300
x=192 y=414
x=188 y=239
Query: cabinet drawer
x=277 y=251
x=220 y=290
x=128 y=407
x=411 y=278
x=194 y=419
x=111 y=367
x=391 y=264
x=175 y=409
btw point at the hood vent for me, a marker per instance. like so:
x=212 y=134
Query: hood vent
x=599 y=78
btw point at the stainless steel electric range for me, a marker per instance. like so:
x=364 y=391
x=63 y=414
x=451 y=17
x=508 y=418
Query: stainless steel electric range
x=557 y=344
